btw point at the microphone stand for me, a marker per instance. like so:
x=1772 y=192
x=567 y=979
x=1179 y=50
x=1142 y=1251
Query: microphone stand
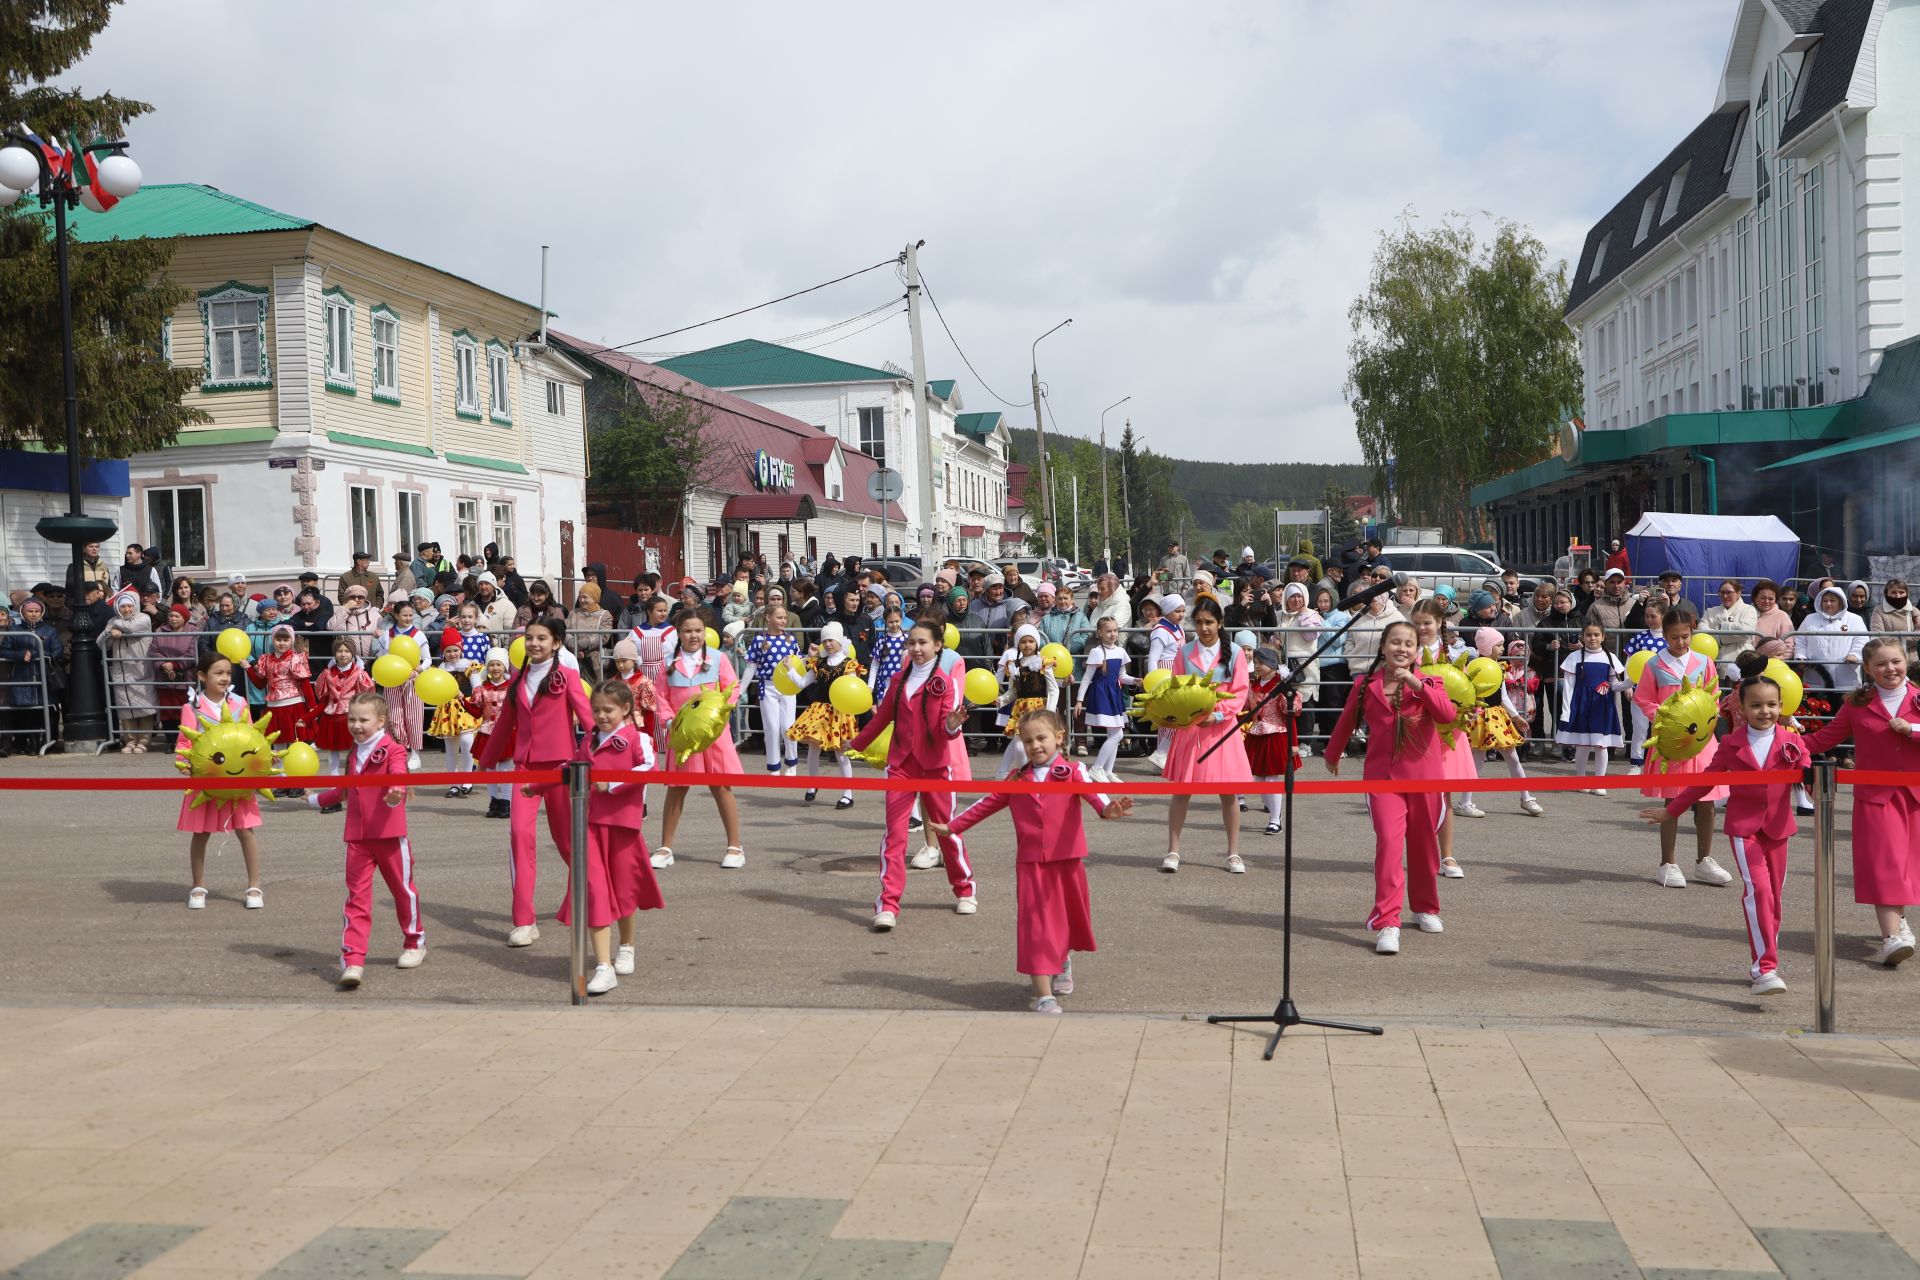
x=1286 y=1014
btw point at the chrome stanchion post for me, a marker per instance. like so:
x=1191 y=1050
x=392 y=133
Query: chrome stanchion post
x=1825 y=795
x=579 y=787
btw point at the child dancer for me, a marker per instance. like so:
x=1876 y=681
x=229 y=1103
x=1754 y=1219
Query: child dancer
x=1163 y=642
x=543 y=710
x=889 y=651
x=1493 y=724
x=620 y=881
x=376 y=837
x=1759 y=819
x=1027 y=683
x=1437 y=644
x=765 y=653
x=474 y=642
x=822 y=725
x=626 y=668
x=1589 y=708
x=1879 y=717
x=333 y=691
x=1101 y=701
x=452 y=723
x=1053 y=915
x=689 y=671
x=1268 y=742
x=215 y=676
x=924 y=707
x=406 y=714
x=484 y=704
x=1659 y=679
x=1211 y=656
x=282 y=675
x=1404 y=711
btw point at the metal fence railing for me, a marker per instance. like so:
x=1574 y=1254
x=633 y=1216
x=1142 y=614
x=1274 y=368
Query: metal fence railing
x=27 y=691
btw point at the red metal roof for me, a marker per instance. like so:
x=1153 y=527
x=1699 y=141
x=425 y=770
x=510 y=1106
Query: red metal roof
x=973 y=530
x=1017 y=486
x=769 y=506
x=742 y=428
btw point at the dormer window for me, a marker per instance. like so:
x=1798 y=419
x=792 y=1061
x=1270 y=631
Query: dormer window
x=1599 y=258
x=1675 y=187
x=1733 y=147
x=1646 y=215
x=1800 y=82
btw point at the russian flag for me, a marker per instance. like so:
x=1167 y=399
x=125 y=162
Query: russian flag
x=59 y=160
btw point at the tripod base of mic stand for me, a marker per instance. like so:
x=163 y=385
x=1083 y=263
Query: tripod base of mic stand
x=1286 y=1015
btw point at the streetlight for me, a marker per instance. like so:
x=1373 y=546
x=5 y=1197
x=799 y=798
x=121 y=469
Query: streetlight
x=66 y=177
x=1106 y=538
x=1040 y=433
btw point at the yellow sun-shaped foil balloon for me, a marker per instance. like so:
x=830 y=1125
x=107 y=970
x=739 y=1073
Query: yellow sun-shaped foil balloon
x=231 y=747
x=1177 y=703
x=1684 y=724
x=699 y=724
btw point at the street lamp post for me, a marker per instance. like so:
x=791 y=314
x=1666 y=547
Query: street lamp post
x=66 y=177
x=1106 y=535
x=1040 y=438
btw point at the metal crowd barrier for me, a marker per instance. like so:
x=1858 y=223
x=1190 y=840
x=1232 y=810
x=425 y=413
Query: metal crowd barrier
x=31 y=676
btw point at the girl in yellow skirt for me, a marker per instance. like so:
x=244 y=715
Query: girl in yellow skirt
x=820 y=724
x=1493 y=725
x=1027 y=684
x=452 y=723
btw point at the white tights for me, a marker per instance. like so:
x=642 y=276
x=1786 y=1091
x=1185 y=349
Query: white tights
x=1013 y=757
x=460 y=752
x=776 y=717
x=1590 y=760
x=1276 y=800
x=813 y=765
x=1514 y=770
x=1109 y=750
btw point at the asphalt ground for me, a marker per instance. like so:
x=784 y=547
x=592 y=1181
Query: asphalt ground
x=1558 y=921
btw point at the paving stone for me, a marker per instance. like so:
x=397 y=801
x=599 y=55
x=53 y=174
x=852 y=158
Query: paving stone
x=1557 y=1249
x=763 y=1237
x=1837 y=1255
x=105 y=1251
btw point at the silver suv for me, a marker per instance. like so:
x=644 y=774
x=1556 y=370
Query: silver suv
x=1431 y=567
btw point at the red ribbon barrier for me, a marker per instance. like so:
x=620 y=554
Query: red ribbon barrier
x=1876 y=778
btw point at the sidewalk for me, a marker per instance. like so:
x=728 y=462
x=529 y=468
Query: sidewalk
x=169 y=1143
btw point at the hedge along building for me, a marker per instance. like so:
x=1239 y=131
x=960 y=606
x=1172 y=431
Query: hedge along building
x=1744 y=291
x=360 y=401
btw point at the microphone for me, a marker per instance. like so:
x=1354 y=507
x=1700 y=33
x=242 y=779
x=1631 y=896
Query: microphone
x=1365 y=594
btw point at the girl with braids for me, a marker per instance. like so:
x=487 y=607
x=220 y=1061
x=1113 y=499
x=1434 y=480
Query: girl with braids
x=1225 y=666
x=1659 y=680
x=1404 y=712
x=688 y=670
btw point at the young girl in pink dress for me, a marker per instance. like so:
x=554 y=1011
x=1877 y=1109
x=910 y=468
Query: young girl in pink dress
x=620 y=882
x=333 y=690
x=1209 y=655
x=406 y=714
x=1437 y=644
x=1879 y=716
x=689 y=669
x=1659 y=680
x=215 y=676
x=1054 y=916
x=1404 y=711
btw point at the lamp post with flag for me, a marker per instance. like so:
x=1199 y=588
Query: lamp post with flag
x=98 y=176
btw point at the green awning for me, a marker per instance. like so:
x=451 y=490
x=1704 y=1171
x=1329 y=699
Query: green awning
x=1898 y=435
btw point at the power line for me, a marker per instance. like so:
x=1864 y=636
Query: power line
x=756 y=307
x=1023 y=404
x=658 y=355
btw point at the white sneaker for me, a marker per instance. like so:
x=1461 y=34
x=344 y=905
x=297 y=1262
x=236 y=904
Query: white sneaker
x=350 y=977
x=966 y=906
x=1892 y=951
x=196 y=899
x=1236 y=865
x=1452 y=870
x=1530 y=807
x=1047 y=1005
x=1768 y=984
x=413 y=762
x=255 y=899
x=1158 y=761
x=602 y=980
x=411 y=958
x=1906 y=930
x=1387 y=942
x=1063 y=981
x=1470 y=810
x=1170 y=863
x=735 y=859
x=1707 y=871
x=883 y=921
x=623 y=960
x=662 y=857
x=1428 y=922
x=926 y=858
x=1670 y=876
x=523 y=935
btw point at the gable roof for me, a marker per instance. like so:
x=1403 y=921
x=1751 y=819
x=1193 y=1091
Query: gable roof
x=753 y=363
x=1842 y=26
x=169 y=209
x=977 y=426
x=1798 y=14
x=1704 y=152
x=942 y=387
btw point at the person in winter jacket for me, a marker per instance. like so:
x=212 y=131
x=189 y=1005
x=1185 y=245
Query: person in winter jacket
x=1832 y=637
x=1897 y=612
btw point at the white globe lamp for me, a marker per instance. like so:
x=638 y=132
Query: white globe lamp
x=120 y=176
x=7 y=196
x=19 y=169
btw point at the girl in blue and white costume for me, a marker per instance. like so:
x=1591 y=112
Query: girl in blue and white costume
x=1162 y=645
x=889 y=649
x=1101 y=702
x=765 y=652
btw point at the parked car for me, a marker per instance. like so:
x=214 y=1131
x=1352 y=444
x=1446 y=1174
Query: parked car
x=1053 y=568
x=1457 y=567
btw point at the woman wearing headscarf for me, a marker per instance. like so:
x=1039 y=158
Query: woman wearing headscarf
x=359 y=621
x=1897 y=612
x=171 y=654
x=127 y=637
x=1831 y=638
x=1299 y=635
x=589 y=631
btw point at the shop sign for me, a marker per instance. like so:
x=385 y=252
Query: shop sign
x=770 y=472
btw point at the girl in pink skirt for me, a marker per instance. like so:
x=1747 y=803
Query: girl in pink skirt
x=1054 y=915
x=688 y=670
x=620 y=881
x=1438 y=644
x=1209 y=655
x=215 y=675
x=1659 y=680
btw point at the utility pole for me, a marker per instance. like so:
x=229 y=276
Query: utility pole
x=1106 y=502
x=1040 y=438
x=1076 y=520
x=1126 y=508
x=923 y=420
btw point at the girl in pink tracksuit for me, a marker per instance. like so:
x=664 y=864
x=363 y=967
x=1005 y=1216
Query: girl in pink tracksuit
x=1404 y=711
x=1759 y=818
x=620 y=880
x=923 y=706
x=538 y=728
x=376 y=838
x=1053 y=914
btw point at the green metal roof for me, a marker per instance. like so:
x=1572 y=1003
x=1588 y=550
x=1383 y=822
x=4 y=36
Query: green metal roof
x=753 y=363
x=1874 y=441
x=942 y=388
x=170 y=209
x=978 y=426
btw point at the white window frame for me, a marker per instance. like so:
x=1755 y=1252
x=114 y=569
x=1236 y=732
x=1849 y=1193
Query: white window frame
x=363 y=518
x=1800 y=79
x=386 y=355
x=466 y=375
x=1599 y=257
x=235 y=294
x=502 y=529
x=860 y=422
x=466 y=526
x=499 y=383
x=338 y=311
x=1647 y=210
x=556 y=398
x=173 y=554
x=1676 y=186
x=410 y=518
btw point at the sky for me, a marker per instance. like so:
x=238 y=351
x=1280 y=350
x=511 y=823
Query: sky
x=1200 y=187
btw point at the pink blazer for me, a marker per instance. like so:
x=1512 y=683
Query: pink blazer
x=1753 y=811
x=1418 y=720
x=542 y=733
x=920 y=736
x=1876 y=745
x=1046 y=827
x=620 y=806
x=369 y=816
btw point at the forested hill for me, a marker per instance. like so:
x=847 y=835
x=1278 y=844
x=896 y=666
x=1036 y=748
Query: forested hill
x=1211 y=488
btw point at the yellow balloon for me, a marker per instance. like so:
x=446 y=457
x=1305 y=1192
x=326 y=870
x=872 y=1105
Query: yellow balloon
x=390 y=670
x=436 y=686
x=786 y=676
x=1638 y=663
x=850 y=696
x=1684 y=724
x=1459 y=688
x=1154 y=681
x=235 y=645
x=586 y=687
x=1063 y=667
x=517 y=652
x=952 y=636
x=876 y=752
x=1486 y=675
x=981 y=688
x=405 y=648
x=1705 y=645
x=713 y=638
x=1791 y=688
x=1052 y=653
x=300 y=761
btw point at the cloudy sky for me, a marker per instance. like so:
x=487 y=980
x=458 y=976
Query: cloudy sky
x=1198 y=186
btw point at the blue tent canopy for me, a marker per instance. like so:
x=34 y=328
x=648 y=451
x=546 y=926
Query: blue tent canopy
x=1706 y=549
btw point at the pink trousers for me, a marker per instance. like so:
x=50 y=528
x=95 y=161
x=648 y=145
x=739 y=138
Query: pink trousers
x=523 y=865
x=1763 y=869
x=394 y=858
x=1404 y=825
x=936 y=807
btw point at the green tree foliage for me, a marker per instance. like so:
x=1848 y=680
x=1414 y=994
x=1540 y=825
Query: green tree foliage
x=1346 y=527
x=1249 y=524
x=130 y=398
x=1155 y=510
x=650 y=449
x=1460 y=368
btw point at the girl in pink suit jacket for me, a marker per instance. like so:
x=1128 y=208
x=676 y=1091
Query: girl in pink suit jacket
x=1880 y=716
x=620 y=880
x=545 y=706
x=376 y=838
x=1053 y=915
x=1404 y=712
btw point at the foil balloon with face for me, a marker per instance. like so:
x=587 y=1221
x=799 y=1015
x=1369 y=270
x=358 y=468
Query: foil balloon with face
x=1684 y=724
x=230 y=747
x=1178 y=703
x=699 y=724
